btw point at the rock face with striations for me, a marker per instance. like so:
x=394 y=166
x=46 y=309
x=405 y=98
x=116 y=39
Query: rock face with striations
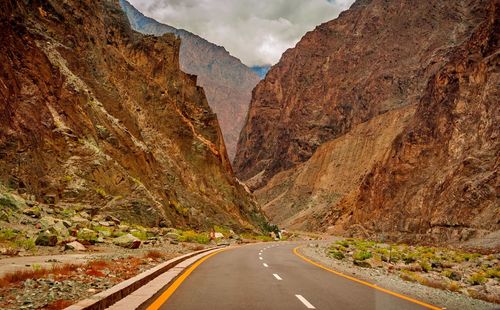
x=375 y=57
x=383 y=122
x=439 y=180
x=93 y=113
x=227 y=82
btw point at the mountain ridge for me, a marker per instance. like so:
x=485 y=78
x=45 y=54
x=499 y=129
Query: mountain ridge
x=228 y=83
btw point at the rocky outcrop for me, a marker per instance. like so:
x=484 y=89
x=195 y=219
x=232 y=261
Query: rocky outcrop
x=375 y=57
x=94 y=115
x=227 y=82
x=439 y=181
x=299 y=198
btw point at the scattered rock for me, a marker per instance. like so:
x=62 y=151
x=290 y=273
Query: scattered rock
x=75 y=246
x=79 y=220
x=172 y=235
x=60 y=229
x=112 y=219
x=4 y=216
x=85 y=215
x=127 y=241
x=33 y=212
x=218 y=235
x=87 y=235
x=362 y=263
x=47 y=222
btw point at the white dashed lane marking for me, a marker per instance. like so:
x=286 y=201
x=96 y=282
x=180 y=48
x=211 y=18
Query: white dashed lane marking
x=305 y=302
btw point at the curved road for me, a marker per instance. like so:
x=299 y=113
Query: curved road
x=271 y=276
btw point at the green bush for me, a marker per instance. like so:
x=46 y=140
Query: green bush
x=361 y=255
x=425 y=266
x=337 y=254
x=192 y=236
x=140 y=234
x=477 y=278
x=225 y=231
x=8 y=234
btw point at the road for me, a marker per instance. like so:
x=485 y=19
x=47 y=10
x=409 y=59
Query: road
x=271 y=276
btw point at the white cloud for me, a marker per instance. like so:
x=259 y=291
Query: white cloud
x=256 y=31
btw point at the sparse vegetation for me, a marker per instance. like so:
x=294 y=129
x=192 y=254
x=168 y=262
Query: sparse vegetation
x=192 y=236
x=442 y=268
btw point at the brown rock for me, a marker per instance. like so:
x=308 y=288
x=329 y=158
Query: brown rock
x=228 y=83
x=438 y=180
x=92 y=111
x=375 y=57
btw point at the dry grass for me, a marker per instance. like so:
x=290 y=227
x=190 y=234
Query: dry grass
x=23 y=275
x=156 y=255
x=58 y=304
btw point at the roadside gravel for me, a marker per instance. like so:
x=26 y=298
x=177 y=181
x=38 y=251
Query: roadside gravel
x=382 y=278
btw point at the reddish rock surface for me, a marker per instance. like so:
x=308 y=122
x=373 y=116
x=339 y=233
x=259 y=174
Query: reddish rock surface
x=94 y=114
x=439 y=181
x=228 y=83
x=375 y=57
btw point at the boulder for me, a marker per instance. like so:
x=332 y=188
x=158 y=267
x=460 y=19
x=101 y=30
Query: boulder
x=362 y=263
x=86 y=234
x=46 y=239
x=127 y=241
x=79 y=220
x=112 y=219
x=85 y=215
x=47 y=222
x=60 y=229
x=218 y=235
x=172 y=235
x=74 y=246
x=33 y=212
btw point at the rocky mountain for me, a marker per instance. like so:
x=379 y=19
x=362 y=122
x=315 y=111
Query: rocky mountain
x=228 y=83
x=96 y=116
x=375 y=57
x=299 y=198
x=439 y=180
x=371 y=127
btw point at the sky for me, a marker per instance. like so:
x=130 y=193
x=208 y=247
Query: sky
x=255 y=31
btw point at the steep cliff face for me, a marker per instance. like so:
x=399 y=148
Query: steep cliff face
x=373 y=58
x=95 y=115
x=439 y=182
x=299 y=198
x=227 y=82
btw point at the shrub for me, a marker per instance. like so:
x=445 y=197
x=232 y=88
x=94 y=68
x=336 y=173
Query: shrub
x=361 y=255
x=222 y=230
x=337 y=254
x=8 y=234
x=140 y=234
x=477 y=278
x=492 y=273
x=264 y=238
x=192 y=236
x=425 y=266
x=409 y=258
x=154 y=255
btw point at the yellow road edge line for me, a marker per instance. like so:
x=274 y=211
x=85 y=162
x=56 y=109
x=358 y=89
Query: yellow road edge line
x=172 y=288
x=418 y=302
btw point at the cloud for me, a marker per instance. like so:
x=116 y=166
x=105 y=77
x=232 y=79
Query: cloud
x=256 y=31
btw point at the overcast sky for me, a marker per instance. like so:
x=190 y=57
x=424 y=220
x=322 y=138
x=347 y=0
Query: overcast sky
x=256 y=31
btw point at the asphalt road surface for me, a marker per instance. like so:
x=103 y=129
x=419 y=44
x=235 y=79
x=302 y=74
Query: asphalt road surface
x=271 y=276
